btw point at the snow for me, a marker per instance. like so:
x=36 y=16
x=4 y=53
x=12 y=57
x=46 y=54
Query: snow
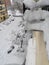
x=15 y=13
x=29 y=3
x=31 y=52
x=19 y=1
x=7 y=35
x=32 y=4
x=43 y=2
x=33 y=22
x=30 y=16
x=10 y=27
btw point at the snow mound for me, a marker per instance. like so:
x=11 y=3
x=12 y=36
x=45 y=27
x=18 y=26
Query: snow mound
x=32 y=4
x=30 y=16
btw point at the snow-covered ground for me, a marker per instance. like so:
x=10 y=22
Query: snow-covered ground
x=8 y=30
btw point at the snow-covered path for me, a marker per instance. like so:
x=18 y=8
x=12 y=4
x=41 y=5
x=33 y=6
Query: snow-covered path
x=5 y=41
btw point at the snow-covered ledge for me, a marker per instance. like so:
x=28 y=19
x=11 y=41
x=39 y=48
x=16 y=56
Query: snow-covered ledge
x=34 y=22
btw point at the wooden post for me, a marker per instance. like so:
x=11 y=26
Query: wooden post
x=41 y=55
